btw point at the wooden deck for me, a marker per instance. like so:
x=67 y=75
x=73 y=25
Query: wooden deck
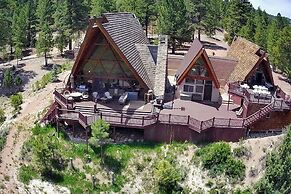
x=136 y=114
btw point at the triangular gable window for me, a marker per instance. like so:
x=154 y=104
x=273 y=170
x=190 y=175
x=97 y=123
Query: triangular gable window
x=199 y=69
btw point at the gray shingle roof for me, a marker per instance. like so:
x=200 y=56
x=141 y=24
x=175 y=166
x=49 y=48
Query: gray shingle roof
x=126 y=32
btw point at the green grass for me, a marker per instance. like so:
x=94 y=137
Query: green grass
x=3 y=137
x=27 y=173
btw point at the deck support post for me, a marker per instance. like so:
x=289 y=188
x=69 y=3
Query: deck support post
x=201 y=125
x=229 y=122
x=121 y=118
x=213 y=121
x=243 y=123
x=58 y=127
x=188 y=121
x=169 y=118
x=228 y=101
x=143 y=121
x=87 y=140
x=114 y=134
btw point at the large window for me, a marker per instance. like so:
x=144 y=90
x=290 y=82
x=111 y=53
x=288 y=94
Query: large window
x=188 y=88
x=199 y=69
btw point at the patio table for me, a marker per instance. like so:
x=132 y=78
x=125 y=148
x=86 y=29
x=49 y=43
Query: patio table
x=76 y=95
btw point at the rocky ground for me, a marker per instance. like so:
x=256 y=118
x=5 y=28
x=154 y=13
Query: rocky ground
x=34 y=104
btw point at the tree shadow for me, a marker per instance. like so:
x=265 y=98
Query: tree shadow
x=25 y=76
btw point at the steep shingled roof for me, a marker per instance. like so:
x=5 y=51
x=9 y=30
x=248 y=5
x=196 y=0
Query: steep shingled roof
x=126 y=32
x=191 y=54
x=245 y=52
x=196 y=50
x=223 y=68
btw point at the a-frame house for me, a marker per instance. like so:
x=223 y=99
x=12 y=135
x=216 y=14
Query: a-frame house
x=116 y=55
x=196 y=79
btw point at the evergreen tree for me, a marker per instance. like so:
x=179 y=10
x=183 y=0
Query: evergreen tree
x=282 y=22
x=144 y=10
x=261 y=22
x=172 y=21
x=45 y=38
x=19 y=29
x=283 y=50
x=247 y=31
x=79 y=15
x=100 y=6
x=272 y=40
x=197 y=15
x=238 y=13
x=32 y=23
x=62 y=24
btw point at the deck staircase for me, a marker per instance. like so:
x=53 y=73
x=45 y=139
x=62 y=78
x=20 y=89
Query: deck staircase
x=51 y=114
x=259 y=114
x=85 y=110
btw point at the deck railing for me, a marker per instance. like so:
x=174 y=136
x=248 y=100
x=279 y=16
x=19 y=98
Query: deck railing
x=143 y=119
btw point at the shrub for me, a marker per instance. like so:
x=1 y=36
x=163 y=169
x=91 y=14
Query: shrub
x=217 y=157
x=241 y=151
x=16 y=101
x=3 y=137
x=235 y=169
x=2 y=116
x=27 y=173
x=168 y=177
x=18 y=81
x=277 y=177
x=8 y=78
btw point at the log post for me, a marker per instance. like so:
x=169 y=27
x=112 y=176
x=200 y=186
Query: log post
x=142 y=120
x=229 y=122
x=188 y=121
x=169 y=118
x=213 y=120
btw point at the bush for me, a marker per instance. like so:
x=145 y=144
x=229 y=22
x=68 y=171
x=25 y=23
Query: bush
x=235 y=169
x=3 y=137
x=2 y=116
x=18 y=81
x=241 y=151
x=215 y=156
x=16 y=101
x=168 y=177
x=218 y=158
x=277 y=177
x=27 y=173
x=8 y=78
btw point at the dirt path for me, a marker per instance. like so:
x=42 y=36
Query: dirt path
x=18 y=134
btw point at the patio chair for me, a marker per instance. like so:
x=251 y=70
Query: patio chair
x=95 y=96
x=85 y=96
x=67 y=94
x=123 y=98
x=108 y=96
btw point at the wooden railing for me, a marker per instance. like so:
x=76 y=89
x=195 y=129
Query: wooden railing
x=143 y=119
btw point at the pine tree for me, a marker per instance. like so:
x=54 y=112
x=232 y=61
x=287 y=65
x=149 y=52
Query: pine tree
x=45 y=38
x=272 y=40
x=283 y=50
x=248 y=30
x=197 y=14
x=261 y=22
x=172 y=21
x=238 y=13
x=100 y=6
x=62 y=24
x=144 y=10
x=79 y=15
x=19 y=29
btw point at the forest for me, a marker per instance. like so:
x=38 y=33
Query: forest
x=55 y=23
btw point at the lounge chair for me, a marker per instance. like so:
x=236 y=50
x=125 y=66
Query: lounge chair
x=108 y=96
x=123 y=98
